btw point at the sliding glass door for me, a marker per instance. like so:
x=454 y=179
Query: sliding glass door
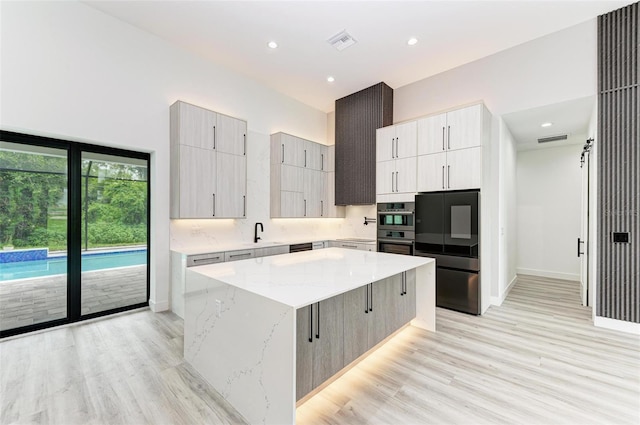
x=74 y=223
x=114 y=232
x=33 y=235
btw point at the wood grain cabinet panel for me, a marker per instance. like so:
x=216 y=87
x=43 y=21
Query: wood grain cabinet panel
x=208 y=164
x=301 y=180
x=319 y=341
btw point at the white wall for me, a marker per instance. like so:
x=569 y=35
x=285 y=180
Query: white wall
x=549 y=196
x=551 y=69
x=72 y=72
x=507 y=210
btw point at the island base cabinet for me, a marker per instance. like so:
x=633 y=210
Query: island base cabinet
x=375 y=311
x=319 y=339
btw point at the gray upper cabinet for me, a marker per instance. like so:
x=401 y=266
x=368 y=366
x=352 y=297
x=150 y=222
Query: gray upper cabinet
x=208 y=164
x=300 y=178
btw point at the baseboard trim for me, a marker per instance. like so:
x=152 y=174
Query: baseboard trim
x=497 y=301
x=550 y=274
x=157 y=307
x=617 y=325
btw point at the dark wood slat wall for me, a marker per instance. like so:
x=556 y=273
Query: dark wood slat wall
x=358 y=116
x=619 y=164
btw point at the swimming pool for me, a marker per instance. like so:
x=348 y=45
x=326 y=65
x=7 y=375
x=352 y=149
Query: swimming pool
x=58 y=264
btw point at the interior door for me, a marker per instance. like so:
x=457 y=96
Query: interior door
x=583 y=241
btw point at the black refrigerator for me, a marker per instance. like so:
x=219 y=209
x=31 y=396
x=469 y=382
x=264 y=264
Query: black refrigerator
x=447 y=228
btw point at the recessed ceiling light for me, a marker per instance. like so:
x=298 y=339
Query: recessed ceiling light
x=546 y=124
x=412 y=41
x=330 y=79
x=272 y=44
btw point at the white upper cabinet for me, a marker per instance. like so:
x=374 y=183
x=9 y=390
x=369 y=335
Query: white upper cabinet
x=396 y=141
x=196 y=125
x=450 y=149
x=231 y=135
x=453 y=130
x=208 y=164
x=396 y=149
x=464 y=127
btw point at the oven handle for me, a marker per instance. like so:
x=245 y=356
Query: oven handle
x=398 y=241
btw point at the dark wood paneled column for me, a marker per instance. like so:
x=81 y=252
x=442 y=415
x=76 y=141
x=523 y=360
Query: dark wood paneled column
x=358 y=116
x=619 y=165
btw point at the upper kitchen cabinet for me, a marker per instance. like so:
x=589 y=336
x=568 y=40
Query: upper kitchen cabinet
x=301 y=173
x=358 y=116
x=231 y=135
x=208 y=164
x=396 y=141
x=450 y=149
x=458 y=129
x=396 y=162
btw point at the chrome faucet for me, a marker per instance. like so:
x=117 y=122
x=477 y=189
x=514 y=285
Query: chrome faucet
x=255 y=232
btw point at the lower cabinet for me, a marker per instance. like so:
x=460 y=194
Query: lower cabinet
x=373 y=312
x=319 y=339
x=333 y=333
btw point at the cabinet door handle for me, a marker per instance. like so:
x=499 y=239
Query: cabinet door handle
x=214 y=137
x=245 y=144
x=443 y=176
x=402 y=285
x=397 y=150
x=579 y=242
x=311 y=323
x=392 y=181
x=371 y=297
x=321 y=208
x=282 y=162
x=397 y=175
x=449 y=176
x=244 y=205
x=448 y=137
x=443 y=139
x=322 y=162
x=318 y=323
x=392 y=140
x=305 y=157
x=305 y=207
x=214 y=204
x=366 y=301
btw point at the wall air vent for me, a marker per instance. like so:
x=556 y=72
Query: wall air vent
x=342 y=40
x=552 y=138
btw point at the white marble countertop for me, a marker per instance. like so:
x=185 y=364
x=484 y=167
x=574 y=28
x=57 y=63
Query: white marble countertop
x=303 y=278
x=236 y=246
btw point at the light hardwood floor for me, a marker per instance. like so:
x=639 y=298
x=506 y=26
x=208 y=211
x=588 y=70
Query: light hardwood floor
x=534 y=360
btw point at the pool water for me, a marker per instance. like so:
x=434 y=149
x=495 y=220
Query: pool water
x=58 y=265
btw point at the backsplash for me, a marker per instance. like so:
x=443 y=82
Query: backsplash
x=216 y=232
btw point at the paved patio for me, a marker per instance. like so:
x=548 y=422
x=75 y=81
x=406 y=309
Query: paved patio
x=28 y=301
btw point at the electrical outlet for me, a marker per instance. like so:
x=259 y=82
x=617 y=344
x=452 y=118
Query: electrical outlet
x=218 y=308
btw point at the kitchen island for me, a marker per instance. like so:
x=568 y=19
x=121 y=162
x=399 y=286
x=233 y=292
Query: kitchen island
x=265 y=332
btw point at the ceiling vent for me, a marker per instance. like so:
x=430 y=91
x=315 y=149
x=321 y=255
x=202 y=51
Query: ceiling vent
x=552 y=138
x=342 y=40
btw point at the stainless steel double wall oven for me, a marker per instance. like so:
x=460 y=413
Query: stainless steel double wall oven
x=396 y=227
